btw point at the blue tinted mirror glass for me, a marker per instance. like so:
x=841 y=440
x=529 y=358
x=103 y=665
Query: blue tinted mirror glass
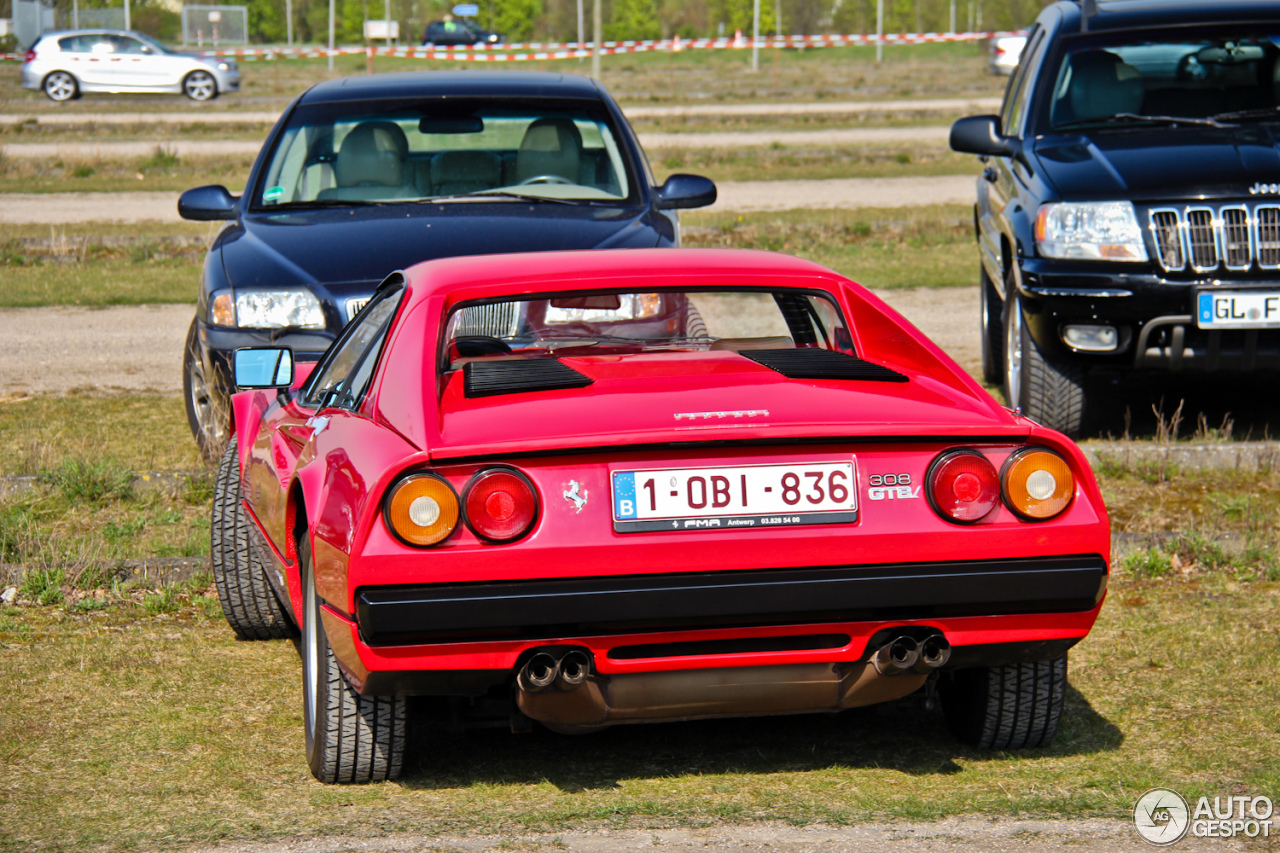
x=264 y=367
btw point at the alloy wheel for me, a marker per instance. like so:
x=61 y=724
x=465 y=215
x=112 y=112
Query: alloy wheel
x=1013 y=377
x=200 y=86
x=60 y=86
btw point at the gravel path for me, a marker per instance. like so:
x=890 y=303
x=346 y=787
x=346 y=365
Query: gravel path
x=136 y=348
x=69 y=116
x=845 y=193
x=952 y=835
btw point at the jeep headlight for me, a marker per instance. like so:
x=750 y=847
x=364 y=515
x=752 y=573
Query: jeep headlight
x=1096 y=231
x=267 y=309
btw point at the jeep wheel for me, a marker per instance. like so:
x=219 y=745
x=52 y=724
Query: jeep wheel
x=1006 y=707
x=350 y=738
x=248 y=600
x=206 y=400
x=992 y=329
x=1047 y=392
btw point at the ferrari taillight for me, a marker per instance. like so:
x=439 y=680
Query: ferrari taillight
x=500 y=504
x=963 y=486
x=422 y=510
x=1037 y=483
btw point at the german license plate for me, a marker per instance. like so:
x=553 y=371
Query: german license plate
x=739 y=496
x=1239 y=309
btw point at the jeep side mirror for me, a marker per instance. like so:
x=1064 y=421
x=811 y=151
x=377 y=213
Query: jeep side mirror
x=204 y=204
x=981 y=135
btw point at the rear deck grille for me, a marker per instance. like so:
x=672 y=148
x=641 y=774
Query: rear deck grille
x=1205 y=239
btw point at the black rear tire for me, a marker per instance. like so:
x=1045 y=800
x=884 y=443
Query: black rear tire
x=1017 y=706
x=1049 y=392
x=249 y=602
x=351 y=738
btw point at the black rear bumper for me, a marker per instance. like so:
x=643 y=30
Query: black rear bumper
x=538 y=609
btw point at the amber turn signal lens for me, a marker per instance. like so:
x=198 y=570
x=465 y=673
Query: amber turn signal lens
x=1037 y=483
x=422 y=510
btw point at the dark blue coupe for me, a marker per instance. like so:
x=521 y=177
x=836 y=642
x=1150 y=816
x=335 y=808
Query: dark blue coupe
x=362 y=176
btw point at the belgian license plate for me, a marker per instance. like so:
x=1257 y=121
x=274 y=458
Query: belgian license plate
x=740 y=496
x=1239 y=309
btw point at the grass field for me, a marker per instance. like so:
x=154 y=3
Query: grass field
x=100 y=265
x=165 y=172
x=191 y=737
x=692 y=77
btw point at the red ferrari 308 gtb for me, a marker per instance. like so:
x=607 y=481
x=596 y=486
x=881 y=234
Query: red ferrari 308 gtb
x=604 y=487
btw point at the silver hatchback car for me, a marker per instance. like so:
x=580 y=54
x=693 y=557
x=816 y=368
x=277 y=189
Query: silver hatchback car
x=66 y=64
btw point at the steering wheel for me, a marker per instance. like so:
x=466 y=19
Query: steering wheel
x=546 y=179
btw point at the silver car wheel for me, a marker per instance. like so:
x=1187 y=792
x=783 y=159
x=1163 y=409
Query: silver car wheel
x=60 y=86
x=200 y=86
x=1013 y=378
x=310 y=656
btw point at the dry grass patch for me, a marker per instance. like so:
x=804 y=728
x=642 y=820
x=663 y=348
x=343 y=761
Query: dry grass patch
x=880 y=248
x=139 y=432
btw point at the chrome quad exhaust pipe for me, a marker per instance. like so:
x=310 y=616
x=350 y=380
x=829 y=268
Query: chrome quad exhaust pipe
x=548 y=669
x=935 y=651
x=575 y=666
x=539 y=672
x=906 y=654
x=897 y=656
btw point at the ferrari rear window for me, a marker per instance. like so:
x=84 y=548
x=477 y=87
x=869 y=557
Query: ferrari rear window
x=599 y=323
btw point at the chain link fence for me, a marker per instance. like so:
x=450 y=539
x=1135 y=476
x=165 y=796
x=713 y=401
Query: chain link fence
x=214 y=25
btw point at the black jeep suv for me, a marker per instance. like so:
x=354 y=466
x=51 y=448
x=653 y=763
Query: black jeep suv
x=1128 y=215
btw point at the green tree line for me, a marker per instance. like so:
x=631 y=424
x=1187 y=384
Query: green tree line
x=556 y=20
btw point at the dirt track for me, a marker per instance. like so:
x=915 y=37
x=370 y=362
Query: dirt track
x=845 y=193
x=952 y=835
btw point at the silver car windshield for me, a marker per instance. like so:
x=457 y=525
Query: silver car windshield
x=447 y=151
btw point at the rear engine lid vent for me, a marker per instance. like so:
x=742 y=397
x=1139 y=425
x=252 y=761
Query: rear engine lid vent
x=812 y=363
x=491 y=378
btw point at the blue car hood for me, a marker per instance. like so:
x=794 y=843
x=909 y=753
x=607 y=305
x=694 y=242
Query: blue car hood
x=1161 y=164
x=364 y=244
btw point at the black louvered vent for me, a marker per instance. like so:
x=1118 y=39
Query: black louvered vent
x=490 y=378
x=808 y=363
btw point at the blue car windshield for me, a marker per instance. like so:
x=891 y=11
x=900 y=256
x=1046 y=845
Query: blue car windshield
x=447 y=150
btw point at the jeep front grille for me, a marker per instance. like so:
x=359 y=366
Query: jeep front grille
x=1206 y=239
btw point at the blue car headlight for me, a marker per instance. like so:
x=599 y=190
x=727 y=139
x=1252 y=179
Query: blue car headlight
x=267 y=309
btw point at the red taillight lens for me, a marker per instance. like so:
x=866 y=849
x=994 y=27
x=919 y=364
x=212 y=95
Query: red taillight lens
x=29 y=56
x=500 y=505
x=963 y=486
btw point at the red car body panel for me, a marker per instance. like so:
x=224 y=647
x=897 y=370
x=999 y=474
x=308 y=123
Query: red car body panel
x=331 y=469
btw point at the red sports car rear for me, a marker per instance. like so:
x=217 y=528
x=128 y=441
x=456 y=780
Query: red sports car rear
x=620 y=486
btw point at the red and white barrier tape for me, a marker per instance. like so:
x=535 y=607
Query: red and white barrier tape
x=535 y=51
